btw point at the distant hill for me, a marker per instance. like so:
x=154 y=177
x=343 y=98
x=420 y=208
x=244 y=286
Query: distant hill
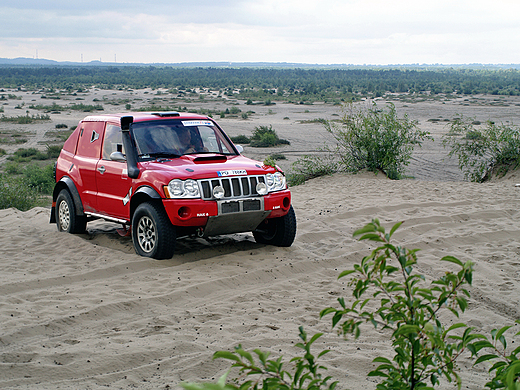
x=21 y=61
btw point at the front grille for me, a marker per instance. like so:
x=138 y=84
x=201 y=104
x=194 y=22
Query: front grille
x=234 y=187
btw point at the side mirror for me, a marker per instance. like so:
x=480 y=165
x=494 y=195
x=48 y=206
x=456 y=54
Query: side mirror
x=240 y=148
x=118 y=156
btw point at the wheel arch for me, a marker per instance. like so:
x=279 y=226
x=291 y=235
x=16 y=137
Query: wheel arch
x=141 y=195
x=66 y=183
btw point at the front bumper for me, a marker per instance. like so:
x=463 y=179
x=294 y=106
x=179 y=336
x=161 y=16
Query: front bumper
x=227 y=216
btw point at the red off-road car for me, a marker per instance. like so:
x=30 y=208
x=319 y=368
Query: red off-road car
x=165 y=175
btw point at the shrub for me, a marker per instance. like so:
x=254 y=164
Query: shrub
x=61 y=126
x=12 y=168
x=24 y=155
x=40 y=179
x=53 y=151
x=278 y=156
x=482 y=152
x=388 y=293
x=375 y=139
x=311 y=166
x=264 y=136
x=24 y=119
x=241 y=139
x=14 y=192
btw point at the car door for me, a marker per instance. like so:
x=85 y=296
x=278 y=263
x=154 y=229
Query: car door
x=114 y=187
x=87 y=156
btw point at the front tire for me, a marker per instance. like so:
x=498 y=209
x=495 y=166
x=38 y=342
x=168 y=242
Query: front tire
x=153 y=234
x=277 y=231
x=66 y=218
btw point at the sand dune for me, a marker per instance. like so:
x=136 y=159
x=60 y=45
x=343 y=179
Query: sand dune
x=86 y=312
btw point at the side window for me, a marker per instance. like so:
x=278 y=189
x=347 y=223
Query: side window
x=113 y=141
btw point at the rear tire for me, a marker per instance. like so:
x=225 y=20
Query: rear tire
x=66 y=218
x=277 y=231
x=153 y=234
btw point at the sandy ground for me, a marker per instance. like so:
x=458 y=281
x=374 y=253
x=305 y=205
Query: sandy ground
x=86 y=312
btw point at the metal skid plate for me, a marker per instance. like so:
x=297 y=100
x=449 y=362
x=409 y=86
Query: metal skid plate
x=236 y=216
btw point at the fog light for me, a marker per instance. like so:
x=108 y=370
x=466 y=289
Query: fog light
x=261 y=188
x=218 y=192
x=184 y=212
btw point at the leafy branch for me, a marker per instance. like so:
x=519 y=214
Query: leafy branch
x=424 y=348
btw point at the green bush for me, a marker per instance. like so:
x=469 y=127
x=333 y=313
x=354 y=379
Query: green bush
x=365 y=138
x=388 y=293
x=241 y=139
x=24 y=119
x=278 y=156
x=40 y=179
x=311 y=166
x=53 y=151
x=14 y=192
x=264 y=137
x=483 y=152
x=27 y=154
x=12 y=168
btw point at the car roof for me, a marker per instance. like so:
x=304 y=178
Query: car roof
x=144 y=116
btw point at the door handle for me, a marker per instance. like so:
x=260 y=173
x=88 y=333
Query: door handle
x=101 y=169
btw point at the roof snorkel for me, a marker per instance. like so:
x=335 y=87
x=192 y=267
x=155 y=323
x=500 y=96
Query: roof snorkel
x=131 y=152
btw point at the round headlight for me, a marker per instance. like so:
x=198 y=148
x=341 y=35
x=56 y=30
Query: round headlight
x=279 y=181
x=218 y=192
x=261 y=188
x=176 y=188
x=191 y=187
x=269 y=180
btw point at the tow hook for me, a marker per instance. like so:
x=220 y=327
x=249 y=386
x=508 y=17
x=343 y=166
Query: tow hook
x=200 y=232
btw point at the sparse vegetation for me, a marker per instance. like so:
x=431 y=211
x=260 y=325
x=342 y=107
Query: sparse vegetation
x=311 y=166
x=483 y=151
x=365 y=138
x=24 y=119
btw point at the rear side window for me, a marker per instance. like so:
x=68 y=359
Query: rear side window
x=90 y=138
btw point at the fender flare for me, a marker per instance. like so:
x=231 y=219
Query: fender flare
x=147 y=190
x=66 y=182
x=141 y=195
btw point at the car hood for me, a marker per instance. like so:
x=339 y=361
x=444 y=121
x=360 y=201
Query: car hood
x=203 y=166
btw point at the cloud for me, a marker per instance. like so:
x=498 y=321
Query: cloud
x=318 y=31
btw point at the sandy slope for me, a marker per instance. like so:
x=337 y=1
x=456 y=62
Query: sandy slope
x=86 y=312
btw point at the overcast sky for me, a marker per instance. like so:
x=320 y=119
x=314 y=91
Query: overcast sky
x=376 y=32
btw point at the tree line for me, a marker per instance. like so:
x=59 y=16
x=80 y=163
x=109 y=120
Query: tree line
x=261 y=82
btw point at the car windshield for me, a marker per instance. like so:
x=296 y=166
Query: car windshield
x=173 y=138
